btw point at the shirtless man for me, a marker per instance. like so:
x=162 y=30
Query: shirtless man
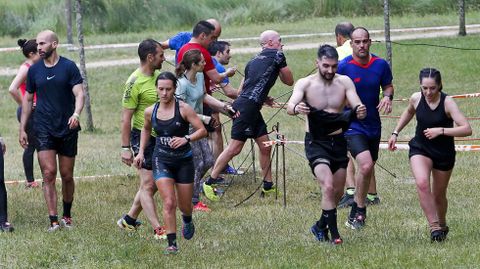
x=322 y=97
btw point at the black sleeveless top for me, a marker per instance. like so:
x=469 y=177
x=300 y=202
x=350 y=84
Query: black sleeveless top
x=322 y=123
x=428 y=118
x=165 y=130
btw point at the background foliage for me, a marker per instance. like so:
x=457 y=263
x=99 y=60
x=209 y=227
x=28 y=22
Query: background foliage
x=113 y=16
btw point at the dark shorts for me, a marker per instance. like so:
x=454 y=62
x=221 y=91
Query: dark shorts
x=207 y=111
x=182 y=170
x=65 y=145
x=329 y=150
x=135 y=142
x=360 y=143
x=250 y=123
x=445 y=162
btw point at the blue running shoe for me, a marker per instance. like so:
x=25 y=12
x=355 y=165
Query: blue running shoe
x=320 y=234
x=188 y=230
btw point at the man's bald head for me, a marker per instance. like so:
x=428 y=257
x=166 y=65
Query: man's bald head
x=270 y=39
x=218 y=27
x=48 y=35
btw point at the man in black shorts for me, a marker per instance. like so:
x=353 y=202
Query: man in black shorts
x=260 y=75
x=58 y=84
x=322 y=98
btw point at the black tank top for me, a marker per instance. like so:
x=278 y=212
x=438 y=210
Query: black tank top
x=428 y=118
x=321 y=123
x=165 y=130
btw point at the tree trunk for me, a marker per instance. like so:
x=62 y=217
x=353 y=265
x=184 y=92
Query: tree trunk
x=83 y=69
x=388 y=43
x=68 y=17
x=461 y=13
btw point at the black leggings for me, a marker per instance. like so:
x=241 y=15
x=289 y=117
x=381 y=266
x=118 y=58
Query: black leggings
x=30 y=150
x=3 y=191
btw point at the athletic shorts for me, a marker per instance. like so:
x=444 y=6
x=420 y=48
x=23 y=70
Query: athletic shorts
x=360 y=143
x=329 y=150
x=446 y=162
x=207 y=111
x=182 y=170
x=65 y=145
x=250 y=123
x=135 y=143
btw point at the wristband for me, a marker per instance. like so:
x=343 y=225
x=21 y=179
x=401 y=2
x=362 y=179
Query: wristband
x=188 y=138
x=126 y=149
x=443 y=131
x=294 y=107
x=76 y=115
x=395 y=133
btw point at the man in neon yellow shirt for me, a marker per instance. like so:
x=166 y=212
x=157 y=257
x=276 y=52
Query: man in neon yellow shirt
x=140 y=93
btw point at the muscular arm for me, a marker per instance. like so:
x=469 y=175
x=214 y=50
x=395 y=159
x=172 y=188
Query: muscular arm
x=27 y=103
x=77 y=90
x=295 y=103
x=14 y=88
x=405 y=118
x=462 y=127
x=144 y=137
x=385 y=103
x=353 y=99
x=229 y=91
x=286 y=76
x=216 y=77
x=189 y=115
x=127 y=115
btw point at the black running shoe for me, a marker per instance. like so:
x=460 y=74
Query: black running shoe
x=346 y=201
x=438 y=236
x=357 y=222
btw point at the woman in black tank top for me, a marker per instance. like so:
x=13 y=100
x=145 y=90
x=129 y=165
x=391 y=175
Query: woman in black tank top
x=432 y=150
x=172 y=161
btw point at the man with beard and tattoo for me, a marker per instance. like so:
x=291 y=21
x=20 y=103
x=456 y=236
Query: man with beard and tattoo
x=322 y=97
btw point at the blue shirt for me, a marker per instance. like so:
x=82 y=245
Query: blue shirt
x=177 y=41
x=55 y=99
x=261 y=74
x=220 y=69
x=192 y=94
x=367 y=79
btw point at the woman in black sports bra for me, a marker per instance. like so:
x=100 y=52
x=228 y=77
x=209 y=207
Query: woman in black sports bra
x=172 y=156
x=432 y=150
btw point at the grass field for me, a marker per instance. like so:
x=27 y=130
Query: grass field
x=260 y=233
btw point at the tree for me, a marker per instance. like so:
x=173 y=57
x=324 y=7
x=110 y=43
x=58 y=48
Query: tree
x=461 y=12
x=386 y=19
x=68 y=18
x=83 y=69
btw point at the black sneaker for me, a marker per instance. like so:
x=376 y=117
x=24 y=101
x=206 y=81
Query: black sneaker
x=320 y=234
x=375 y=201
x=215 y=181
x=357 y=222
x=346 y=201
x=438 y=236
x=6 y=227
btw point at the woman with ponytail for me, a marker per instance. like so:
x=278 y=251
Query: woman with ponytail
x=17 y=91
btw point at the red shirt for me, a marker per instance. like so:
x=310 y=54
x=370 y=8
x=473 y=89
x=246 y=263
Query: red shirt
x=23 y=87
x=208 y=60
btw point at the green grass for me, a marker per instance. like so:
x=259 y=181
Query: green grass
x=260 y=233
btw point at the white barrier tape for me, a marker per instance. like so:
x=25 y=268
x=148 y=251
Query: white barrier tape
x=76 y=178
x=457 y=147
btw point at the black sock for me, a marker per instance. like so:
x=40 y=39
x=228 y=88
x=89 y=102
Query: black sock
x=210 y=180
x=172 y=239
x=362 y=210
x=129 y=220
x=353 y=211
x=331 y=216
x=53 y=219
x=322 y=222
x=187 y=219
x=267 y=185
x=66 y=209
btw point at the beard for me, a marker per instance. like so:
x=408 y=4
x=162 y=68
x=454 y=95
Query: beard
x=327 y=76
x=47 y=54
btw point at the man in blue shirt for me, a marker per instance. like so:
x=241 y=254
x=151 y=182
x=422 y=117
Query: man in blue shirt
x=368 y=72
x=59 y=87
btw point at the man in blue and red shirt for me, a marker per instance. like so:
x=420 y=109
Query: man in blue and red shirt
x=368 y=72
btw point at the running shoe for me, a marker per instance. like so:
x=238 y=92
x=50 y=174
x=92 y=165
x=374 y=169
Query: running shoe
x=160 y=233
x=54 y=226
x=357 y=222
x=375 y=201
x=122 y=223
x=438 y=236
x=201 y=207
x=171 y=250
x=210 y=192
x=66 y=222
x=268 y=192
x=32 y=184
x=216 y=181
x=229 y=170
x=320 y=234
x=6 y=227
x=337 y=241
x=346 y=201
x=188 y=230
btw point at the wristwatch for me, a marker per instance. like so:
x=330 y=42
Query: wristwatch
x=390 y=96
x=188 y=138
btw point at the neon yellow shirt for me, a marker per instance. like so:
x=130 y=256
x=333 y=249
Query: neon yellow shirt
x=139 y=93
x=344 y=50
